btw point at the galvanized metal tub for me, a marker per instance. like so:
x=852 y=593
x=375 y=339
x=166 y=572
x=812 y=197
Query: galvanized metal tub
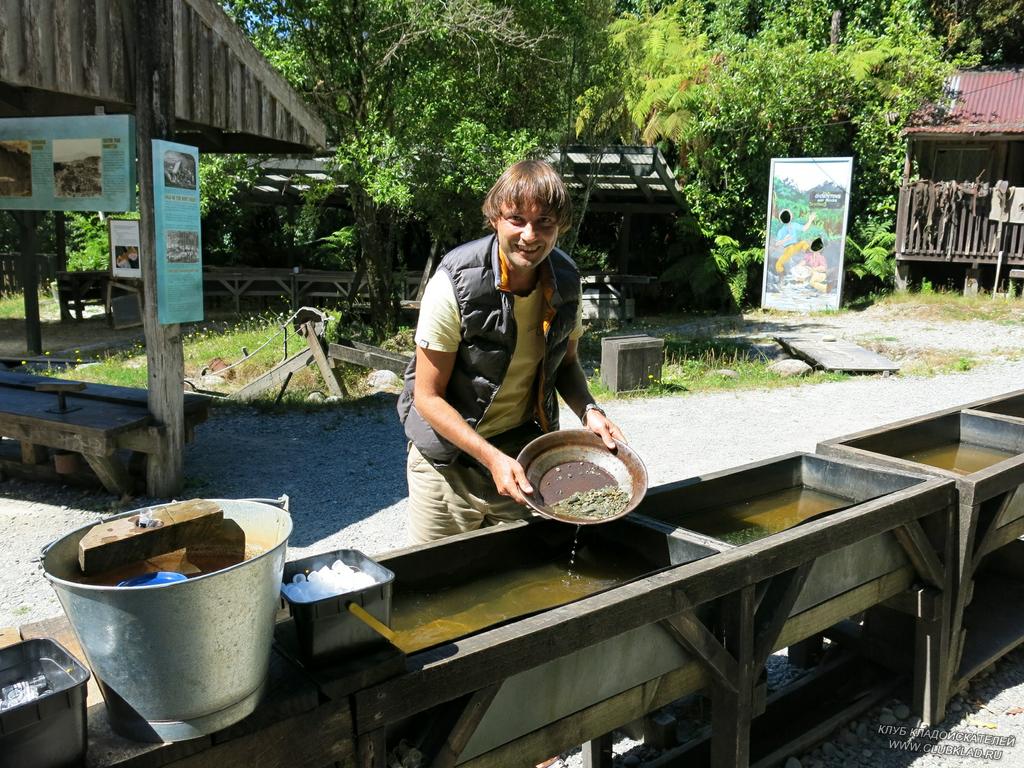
x=184 y=659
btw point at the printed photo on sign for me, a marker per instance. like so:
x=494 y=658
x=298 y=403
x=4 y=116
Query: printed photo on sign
x=78 y=167
x=182 y=246
x=179 y=170
x=15 y=169
x=806 y=233
x=124 y=248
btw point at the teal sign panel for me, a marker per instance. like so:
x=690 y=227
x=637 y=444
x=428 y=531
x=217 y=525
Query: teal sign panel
x=84 y=163
x=179 y=255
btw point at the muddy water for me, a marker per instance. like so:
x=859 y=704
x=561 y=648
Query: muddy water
x=962 y=458
x=761 y=516
x=421 y=619
x=192 y=562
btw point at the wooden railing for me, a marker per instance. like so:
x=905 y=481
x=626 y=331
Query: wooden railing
x=298 y=288
x=947 y=221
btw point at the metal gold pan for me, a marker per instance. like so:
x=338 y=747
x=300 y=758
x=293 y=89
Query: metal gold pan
x=570 y=461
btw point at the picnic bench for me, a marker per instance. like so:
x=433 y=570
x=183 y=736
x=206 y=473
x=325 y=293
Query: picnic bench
x=102 y=423
x=76 y=290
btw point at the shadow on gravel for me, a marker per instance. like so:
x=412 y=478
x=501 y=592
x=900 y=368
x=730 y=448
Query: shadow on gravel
x=337 y=466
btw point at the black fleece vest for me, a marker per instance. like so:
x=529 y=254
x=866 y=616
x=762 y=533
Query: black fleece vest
x=488 y=330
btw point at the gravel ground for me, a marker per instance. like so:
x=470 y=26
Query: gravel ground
x=344 y=473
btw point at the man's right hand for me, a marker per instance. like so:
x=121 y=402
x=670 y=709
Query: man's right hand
x=509 y=477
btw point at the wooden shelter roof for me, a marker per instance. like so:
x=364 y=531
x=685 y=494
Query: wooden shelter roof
x=63 y=57
x=629 y=178
x=636 y=179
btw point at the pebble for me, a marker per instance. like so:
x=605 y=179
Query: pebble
x=792 y=762
x=887 y=718
x=862 y=730
x=902 y=711
x=849 y=737
x=956 y=705
x=828 y=749
x=726 y=373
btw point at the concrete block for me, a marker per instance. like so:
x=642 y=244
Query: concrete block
x=631 y=362
x=607 y=306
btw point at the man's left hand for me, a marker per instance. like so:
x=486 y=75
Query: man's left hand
x=604 y=427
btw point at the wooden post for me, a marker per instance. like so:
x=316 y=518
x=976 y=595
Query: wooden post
x=623 y=244
x=154 y=119
x=732 y=708
x=28 y=276
x=60 y=240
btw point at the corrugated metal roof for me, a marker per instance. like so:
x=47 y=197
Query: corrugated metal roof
x=978 y=101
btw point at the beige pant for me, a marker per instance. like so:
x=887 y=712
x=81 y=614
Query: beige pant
x=453 y=499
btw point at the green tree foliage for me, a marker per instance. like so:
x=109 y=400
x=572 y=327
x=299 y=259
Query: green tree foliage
x=992 y=30
x=732 y=85
x=426 y=102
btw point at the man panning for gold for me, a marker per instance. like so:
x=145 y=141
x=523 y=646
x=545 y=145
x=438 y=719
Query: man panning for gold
x=496 y=342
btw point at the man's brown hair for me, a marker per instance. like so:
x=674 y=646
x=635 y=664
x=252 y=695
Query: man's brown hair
x=530 y=182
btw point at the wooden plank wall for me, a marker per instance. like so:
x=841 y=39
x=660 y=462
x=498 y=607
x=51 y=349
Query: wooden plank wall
x=85 y=48
x=961 y=233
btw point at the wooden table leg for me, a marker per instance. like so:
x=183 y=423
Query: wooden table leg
x=597 y=753
x=111 y=472
x=33 y=454
x=372 y=749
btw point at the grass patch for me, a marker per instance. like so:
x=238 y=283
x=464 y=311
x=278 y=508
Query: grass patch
x=943 y=306
x=938 y=362
x=706 y=365
x=250 y=347
x=12 y=307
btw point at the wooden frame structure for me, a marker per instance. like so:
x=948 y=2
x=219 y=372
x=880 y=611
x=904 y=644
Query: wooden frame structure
x=985 y=623
x=965 y=159
x=100 y=422
x=724 y=614
x=187 y=73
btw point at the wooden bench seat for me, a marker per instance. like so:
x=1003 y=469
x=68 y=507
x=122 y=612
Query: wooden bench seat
x=100 y=421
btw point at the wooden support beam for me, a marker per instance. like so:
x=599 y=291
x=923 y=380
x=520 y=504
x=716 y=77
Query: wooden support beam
x=996 y=539
x=464 y=728
x=783 y=592
x=597 y=753
x=111 y=472
x=372 y=749
x=28 y=276
x=154 y=119
x=595 y=720
x=275 y=377
x=994 y=536
x=33 y=454
x=690 y=632
x=914 y=541
x=321 y=361
x=732 y=707
x=931 y=656
x=369 y=356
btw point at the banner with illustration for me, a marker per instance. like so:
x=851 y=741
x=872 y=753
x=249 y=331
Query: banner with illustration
x=82 y=163
x=179 y=260
x=808 y=204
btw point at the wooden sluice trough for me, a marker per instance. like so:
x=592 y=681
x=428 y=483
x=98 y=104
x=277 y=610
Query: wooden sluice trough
x=687 y=612
x=1010 y=405
x=981 y=448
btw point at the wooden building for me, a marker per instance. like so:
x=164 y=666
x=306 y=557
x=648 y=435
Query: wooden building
x=962 y=197
x=188 y=74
